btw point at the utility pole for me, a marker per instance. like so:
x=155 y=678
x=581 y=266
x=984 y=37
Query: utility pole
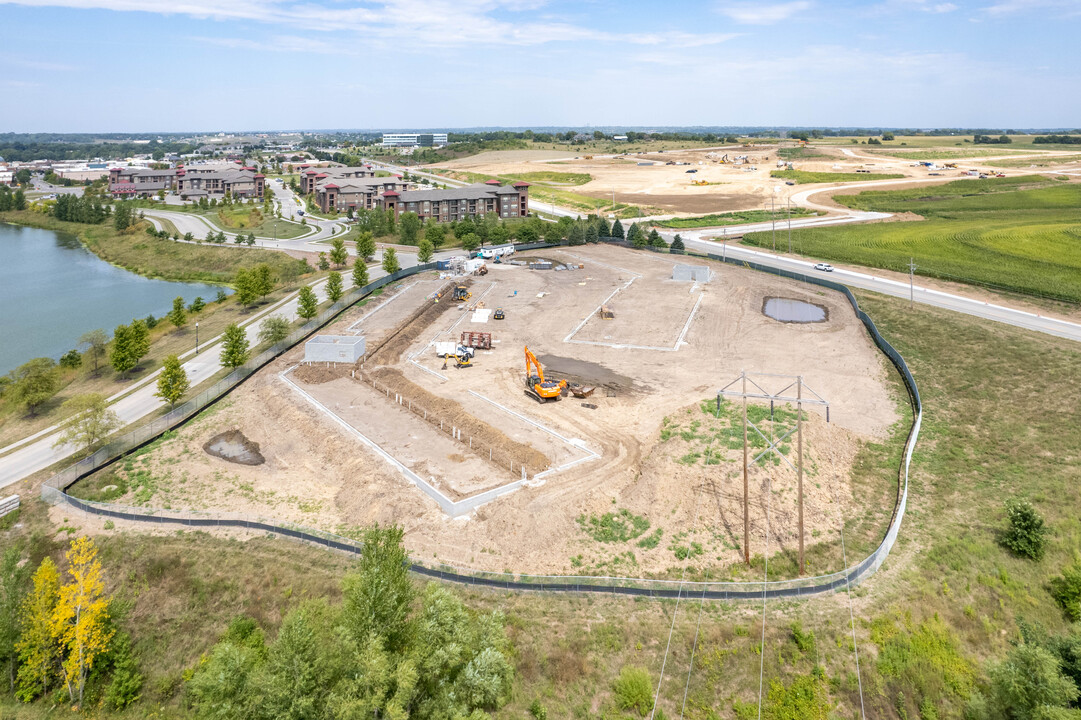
x=197 y=338
x=799 y=464
x=773 y=220
x=911 y=271
x=789 y=224
x=746 y=512
x=724 y=246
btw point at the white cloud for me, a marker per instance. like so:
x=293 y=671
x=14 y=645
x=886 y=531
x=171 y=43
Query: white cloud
x=1010 y=7
x=942 y=8
x=759 y=14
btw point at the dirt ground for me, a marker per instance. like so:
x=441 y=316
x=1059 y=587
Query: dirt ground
x=731 y=187
x=643 y=448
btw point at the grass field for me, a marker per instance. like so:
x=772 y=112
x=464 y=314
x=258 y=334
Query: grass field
x=800 y=153
x=731 y=218
x=248 y=219
x=1037 y=161
x=802 y=177
x=950 y=153
x=990 y=232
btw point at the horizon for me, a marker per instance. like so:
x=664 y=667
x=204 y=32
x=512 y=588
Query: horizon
x=799 y=64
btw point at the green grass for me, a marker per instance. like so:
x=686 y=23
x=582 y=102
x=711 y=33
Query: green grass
x=968 y=151
x=800 y=153
x=802 y=177
x=731 y=218
x=250 y=219
x=613 y=527
x=552 y=177
x=986 y=232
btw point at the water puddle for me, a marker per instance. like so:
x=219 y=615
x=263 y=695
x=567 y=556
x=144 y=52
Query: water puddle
x=794 y=311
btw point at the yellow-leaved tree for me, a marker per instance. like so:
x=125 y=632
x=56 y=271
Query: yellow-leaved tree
x=39 y=654
x=80 y=622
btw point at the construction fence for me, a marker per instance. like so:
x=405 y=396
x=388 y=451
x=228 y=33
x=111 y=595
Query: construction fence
x=54 y=489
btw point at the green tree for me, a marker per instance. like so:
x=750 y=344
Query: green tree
x=677 y=248
x=177 y=316
x=617 y=229
x=246 y=286
x=339 y=256
x=324 y=262
x=528 y=234
x=264 y=279
x=1026 y=534
x=591 y=234
x=91 y=421
x=39 y=652
x=1027 y=684
x=299 y=671
x=127 y=681
x=234 y=347
x=360 y=273
x=379 y=593
x=334 y=286
x=636 y=237
x=655 y=239
x=470 y=242
x=1066 y=589
x=122 y=217
x=172 y=381
x=71 y=359
x=425 y=251
x=435 y=233
x=390 y=261
x=307 y=303
x=409 y=225
x=13 y=578
x=96 y=342
x=603 y=228
x=576 y=235
x=365 y=245
x=197 y=305
x=274 y=329
x=34 y=383
x=20 y=200
x=224 y=686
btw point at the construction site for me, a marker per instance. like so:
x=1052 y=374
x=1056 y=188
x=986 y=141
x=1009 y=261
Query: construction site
x=560 y=413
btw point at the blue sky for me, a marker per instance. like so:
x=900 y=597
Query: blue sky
x=130 y=66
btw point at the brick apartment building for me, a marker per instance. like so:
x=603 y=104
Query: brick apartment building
x=192 y=183
x=343 y=188
x=504 y=201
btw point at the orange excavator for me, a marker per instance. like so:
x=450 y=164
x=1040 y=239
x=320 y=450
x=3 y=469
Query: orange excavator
x=537 y=387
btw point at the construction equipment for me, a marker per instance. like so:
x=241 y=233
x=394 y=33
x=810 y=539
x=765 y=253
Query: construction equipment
x=463 y=357
x=482 y=270
x=700 y=182
x=461 y=293
x=480 y=340
x=606 y=313
x=581 y=391
x=537 y=387
x=499 y=314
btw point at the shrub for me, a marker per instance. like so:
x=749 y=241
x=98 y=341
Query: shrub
x=71 y=359
x=634 y=689
x=1066 y=590
x=1026 y=535
x=538 y=711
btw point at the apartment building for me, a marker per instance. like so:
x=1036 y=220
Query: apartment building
x=479 y=199
x=314 y=175
x=414 y=139
x=191 y=183
x=339 y=189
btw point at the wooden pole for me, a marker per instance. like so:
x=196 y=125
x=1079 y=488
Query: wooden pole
x=799 y=463
x=746 y=511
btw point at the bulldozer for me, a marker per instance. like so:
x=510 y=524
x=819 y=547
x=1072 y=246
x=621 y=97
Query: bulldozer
x=537 y=387
x=461 y=293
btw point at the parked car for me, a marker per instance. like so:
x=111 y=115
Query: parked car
x=789 y=182
x=692 y=170
x=824 y=267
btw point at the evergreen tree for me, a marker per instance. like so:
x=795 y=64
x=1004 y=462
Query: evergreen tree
x=324 y=263
x=576 y=235
x=656 y=240
x=234 y=347
x=39 y=653
x=334 y=286
x=390 y=261
x=676 y=248
x=617 y=229
x=172 y=381
x=307 y=304
x=425 y=251
x=603 y=229
x=636 y=237
x=592 y=237
x=177 y=316
x=360 y=273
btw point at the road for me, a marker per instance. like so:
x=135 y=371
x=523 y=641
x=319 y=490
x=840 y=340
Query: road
x=31 y=457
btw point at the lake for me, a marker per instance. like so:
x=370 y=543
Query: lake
x=52 y=290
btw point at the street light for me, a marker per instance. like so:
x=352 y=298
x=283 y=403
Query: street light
x=196 y=338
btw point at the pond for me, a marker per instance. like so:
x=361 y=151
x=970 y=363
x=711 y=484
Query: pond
x=794 y=311
x=52 y=290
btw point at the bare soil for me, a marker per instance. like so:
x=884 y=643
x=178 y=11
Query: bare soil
x=319 y=474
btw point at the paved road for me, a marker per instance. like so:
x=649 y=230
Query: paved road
x=32 y=457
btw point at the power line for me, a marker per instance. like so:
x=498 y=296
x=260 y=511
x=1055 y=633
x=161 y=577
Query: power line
x=765 y=578
x=852 y=621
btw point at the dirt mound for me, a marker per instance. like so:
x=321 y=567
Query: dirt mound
x=233 y=447
x=389 y=350
x=320 y=373
x=439 y=409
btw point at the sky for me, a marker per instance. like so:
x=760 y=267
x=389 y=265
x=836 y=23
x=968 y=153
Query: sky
x=235 y=65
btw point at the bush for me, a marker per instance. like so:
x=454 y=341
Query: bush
x=1026 y=535
x=71 y=359
x=634 y=689
x=538 y=711
x=1066 y=590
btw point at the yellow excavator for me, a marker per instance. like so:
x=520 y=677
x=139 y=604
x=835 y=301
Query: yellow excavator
x=537 y=387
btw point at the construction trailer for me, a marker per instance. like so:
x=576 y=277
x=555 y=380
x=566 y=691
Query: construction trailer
x=334 y=348
x=691 y=273
x=479 y=340
x=495 y=251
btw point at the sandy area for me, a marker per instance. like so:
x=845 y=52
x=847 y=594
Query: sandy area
x=654 y=461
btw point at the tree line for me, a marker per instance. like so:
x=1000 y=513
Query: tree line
x=12 y=199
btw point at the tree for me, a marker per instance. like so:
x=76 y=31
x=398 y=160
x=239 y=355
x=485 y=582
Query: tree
x=264 y=279
x=360 y=273
x=39 y=654
x=470 y=242
x=71 y=359
x=80 y=622
x=197 y=305
x=274 y=329
x=603 y=228
x=324 y=263
x=91 y=421
x=617 y=229
x=122 y=218
x=1028 y=683
x=528 y=234
x=435 y=233
x=334 y=286
x=96 y=342
x=251 y=239
x=655 y=239
x=425 y=251
x=636 y=237
x=173 y=381
x=887 y=136
x=592 y=237
x=12 y=592
x=177 y=316
x=307 y=304
x=1026 y=534
x=379 y=593
x=390 y=261
x=245 y=284
x=20 y=199
x=34 y=383
x=676 y=248
x=409 y=227
x=576 y=235
x=365 y=245
x=234 y=347
x=339 y=256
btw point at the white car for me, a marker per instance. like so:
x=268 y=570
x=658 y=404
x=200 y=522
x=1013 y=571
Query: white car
x=824 y=267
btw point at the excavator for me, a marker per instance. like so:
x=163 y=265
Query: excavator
x=537 y=387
